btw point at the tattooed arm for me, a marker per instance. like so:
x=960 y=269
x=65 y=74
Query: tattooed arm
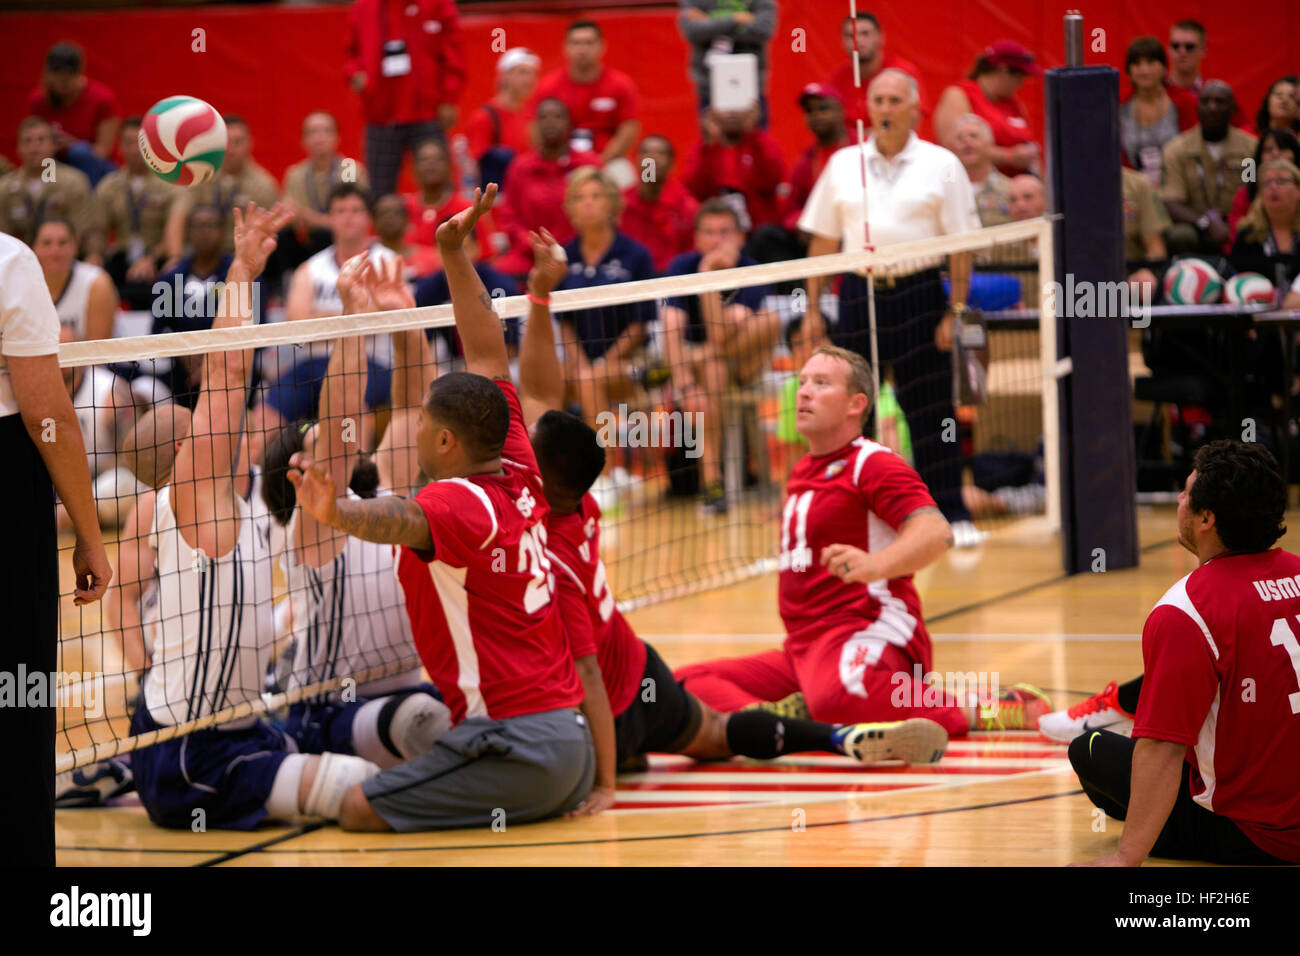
x=388 y=520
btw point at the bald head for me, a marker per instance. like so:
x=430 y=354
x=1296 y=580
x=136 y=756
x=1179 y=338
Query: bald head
x=149 y=449
x=893 y=103
x=1028 y=197
x=1214 y=109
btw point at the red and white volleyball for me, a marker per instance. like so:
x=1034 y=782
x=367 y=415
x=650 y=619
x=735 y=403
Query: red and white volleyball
x=1249 y=288
x=183 y=140
x=1192 y=282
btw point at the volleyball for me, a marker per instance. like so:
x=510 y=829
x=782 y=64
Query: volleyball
x=183 y=140
x=1249 y=288
x=1192 y=282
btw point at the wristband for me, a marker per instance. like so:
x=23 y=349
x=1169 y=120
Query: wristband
x=536 y=301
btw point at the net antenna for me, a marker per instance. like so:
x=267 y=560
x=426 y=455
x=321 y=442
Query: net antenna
x=866 y=226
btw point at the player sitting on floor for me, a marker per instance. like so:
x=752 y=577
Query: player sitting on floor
x=1210 y=771
x=349 y=614
x=480 y=592
x=213 y=635
x=858 y=522
x=651 y=712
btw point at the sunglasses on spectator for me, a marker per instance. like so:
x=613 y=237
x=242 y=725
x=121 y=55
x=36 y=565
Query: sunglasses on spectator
x=1183 y=46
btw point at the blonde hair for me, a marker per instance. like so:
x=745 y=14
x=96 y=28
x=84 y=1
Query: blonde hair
x=860 y=379
x=593 y=174
x=149 y=449
x=1255 y=224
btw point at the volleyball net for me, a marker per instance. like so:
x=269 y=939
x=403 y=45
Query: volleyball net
x=698 y=419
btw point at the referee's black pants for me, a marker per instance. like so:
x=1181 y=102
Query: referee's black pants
x=1104 y=763
x=907 y=315
x=29 y=639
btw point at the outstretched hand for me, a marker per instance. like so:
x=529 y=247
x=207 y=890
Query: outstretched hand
x=388 y=289
x=549 y=269
x=255 y=232
x=314 y=486
x=452 y=234
x=353 y=284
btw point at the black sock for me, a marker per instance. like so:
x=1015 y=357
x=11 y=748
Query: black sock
x=758 y=734
x=1128 y=694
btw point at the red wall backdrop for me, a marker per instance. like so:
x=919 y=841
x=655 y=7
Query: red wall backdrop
x=275 y=64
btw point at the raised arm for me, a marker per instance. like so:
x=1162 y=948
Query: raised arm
x=481 y=335
x=541 y=379
x=334 y=440
x=413 y=372
x=388 y=520
x=206 y=459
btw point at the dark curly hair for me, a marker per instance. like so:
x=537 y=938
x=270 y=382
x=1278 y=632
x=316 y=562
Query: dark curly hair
x=1243 y=486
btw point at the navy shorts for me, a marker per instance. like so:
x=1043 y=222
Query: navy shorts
x=228 y=774
x=326 y=726
x=296 y=394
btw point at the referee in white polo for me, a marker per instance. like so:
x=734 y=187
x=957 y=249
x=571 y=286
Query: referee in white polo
x=40 y=443
x=915 y=190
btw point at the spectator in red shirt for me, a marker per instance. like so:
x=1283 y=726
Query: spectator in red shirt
x=82 y=111
x=435 y=201
x=404 y=58
x=497 y=131
x=1187 y=42
x=391 y=220
x=989 y=93
x=603 y=102
x=739 y=162
x=823 y=111
x=872 y=58
x=534 y=193
x=658 y=212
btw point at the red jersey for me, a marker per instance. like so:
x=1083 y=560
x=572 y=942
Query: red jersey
x=1221 y=659
x=80 y=119
x=510 y=129
x=807 y=168
x=751 y=173
x=666 y=226
x=423 y=219
x=534 y=199
x=588 y=616
x=1005 y=117
x=855 y=100
x=599 y=107
x=434 y=72
x=481 y=603
x=860 y=496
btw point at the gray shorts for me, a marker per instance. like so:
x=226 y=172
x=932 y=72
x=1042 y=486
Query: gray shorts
x=490 y=773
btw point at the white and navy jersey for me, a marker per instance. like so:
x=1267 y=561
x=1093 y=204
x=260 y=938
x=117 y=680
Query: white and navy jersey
x=324 y=268
x=266 y=525
x=213 y=633
x=74 y=300
x=349 y=616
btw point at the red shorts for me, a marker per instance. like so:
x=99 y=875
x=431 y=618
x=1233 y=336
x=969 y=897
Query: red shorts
x=846 y=677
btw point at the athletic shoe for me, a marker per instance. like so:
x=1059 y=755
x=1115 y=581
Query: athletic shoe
x=1099 y=712
x=793 y=707
x=966 y=535
x=93 y=786
x=915 y=741
x=1018 y=709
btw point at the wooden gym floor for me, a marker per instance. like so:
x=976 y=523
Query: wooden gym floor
x=995 y=799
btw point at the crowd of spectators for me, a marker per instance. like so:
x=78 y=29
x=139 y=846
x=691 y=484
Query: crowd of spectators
x=570 y=153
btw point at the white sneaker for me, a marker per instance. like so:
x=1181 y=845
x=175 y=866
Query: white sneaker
x=1099 y=712
x=966 y=535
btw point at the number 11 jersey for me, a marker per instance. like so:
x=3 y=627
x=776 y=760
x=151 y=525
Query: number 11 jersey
x=859 y=496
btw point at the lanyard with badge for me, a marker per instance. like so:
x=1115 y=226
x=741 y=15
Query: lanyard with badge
x=396 y=59
x=1218 y=182
x=137 y=194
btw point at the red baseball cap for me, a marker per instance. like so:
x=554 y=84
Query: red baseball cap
x=820 y=89
x=1013 y=56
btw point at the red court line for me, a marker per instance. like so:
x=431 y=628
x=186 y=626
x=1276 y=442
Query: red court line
x=635 y=805
x=742 y=769
x=774 y=787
